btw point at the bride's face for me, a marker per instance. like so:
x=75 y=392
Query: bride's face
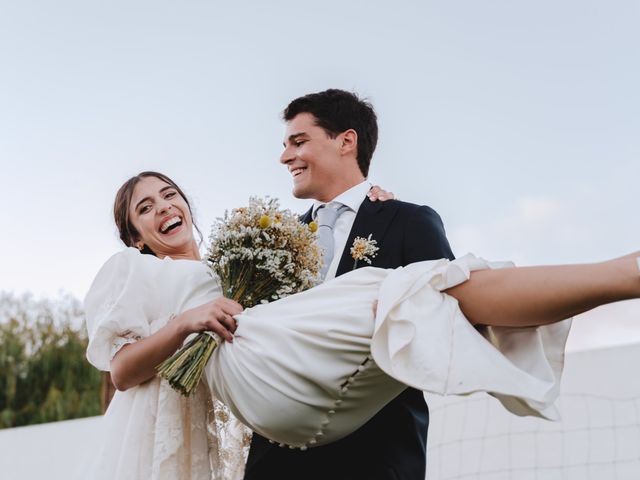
x=161 y=216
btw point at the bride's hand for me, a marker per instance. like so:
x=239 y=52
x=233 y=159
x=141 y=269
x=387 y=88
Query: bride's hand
x=215 y=316
x=378 y=193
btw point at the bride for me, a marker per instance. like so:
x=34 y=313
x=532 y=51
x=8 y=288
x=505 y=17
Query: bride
x=313 y=367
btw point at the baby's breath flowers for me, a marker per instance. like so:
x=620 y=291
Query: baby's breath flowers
x=363 y=249
x=260 y=253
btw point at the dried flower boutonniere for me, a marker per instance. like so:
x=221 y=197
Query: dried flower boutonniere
x=363 y=249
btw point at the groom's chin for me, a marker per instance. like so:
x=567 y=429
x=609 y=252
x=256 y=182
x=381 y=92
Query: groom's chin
x=300 y=192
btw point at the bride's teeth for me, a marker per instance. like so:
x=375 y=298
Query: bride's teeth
x=169 y=223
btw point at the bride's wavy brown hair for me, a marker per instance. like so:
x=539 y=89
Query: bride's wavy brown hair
x=128 y=234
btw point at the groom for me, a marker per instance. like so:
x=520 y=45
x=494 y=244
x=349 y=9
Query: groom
x=329 y=140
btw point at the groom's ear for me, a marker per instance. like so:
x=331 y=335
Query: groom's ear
x=349 y=143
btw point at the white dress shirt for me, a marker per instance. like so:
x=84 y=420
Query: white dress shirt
x=352 y=198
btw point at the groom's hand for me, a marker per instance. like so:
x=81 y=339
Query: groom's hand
x=215 y=316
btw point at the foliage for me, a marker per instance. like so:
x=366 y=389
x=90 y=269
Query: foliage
x=44 y=376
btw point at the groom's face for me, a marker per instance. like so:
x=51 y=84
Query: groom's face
x=312 y=158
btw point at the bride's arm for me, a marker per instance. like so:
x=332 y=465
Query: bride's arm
x=136 y=362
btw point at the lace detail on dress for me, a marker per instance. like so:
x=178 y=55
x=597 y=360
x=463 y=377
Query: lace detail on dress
x=125 y=339
x=193 y=438
x=230 y=442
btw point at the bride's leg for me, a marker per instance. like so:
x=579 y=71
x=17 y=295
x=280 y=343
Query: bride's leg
x=528 y=296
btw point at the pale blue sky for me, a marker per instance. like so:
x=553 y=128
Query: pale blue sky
x=517 y=121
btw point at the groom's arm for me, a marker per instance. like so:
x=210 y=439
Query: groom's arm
x=425 y=237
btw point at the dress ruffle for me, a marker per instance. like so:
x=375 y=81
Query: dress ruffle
x=423 y=339
x=122 y=303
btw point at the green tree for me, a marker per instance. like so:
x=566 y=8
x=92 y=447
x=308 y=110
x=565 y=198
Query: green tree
x=44 y=375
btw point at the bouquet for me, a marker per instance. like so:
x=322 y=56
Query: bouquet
x=260 y=253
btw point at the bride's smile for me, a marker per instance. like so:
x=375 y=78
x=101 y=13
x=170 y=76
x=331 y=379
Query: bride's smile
x=171 y=226
x=162 y=219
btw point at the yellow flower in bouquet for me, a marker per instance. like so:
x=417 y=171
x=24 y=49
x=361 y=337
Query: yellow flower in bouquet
x=265 y=221
x=257 y=260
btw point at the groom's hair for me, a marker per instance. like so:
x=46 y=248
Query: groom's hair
x=337 y=111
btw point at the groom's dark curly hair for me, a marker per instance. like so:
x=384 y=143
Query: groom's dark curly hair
x=337 y=111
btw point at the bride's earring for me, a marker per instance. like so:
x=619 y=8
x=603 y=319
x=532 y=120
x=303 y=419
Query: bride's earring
x=140 y=246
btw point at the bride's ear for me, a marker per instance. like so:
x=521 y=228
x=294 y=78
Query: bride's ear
x=139 y=244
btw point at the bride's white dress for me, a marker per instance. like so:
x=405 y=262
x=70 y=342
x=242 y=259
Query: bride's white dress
x=305 y=370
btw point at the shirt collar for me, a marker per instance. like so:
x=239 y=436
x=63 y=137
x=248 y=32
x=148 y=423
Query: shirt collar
x=352 y=198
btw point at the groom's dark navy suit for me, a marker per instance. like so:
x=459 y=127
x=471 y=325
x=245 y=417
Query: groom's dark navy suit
x=391 y=445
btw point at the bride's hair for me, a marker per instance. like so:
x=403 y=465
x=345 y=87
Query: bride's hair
x=128 y=234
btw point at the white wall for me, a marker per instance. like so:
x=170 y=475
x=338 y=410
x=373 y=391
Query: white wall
x=51 y=451
x=598 y=438
x=469 y=438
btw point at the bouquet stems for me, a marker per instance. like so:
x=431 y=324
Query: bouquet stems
x=184 y=368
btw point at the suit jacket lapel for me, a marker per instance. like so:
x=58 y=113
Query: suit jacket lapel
x=306 y=217
x=373 y=219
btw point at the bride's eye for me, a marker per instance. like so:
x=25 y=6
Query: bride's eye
x=144 y=209
x=170 y=195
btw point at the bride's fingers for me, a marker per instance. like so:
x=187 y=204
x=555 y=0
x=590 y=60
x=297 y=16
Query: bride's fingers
x=221 y=330
x=378 y=193
x=373 y=193
x=229 y=322
x=226 y=320
x=230 y=306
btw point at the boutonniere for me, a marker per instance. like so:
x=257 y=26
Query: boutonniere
x=363 y=249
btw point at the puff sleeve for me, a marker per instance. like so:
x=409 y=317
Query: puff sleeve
x=117 y=307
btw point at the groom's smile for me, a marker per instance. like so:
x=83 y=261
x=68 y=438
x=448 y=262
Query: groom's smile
x=314 y=159
x=297 y=171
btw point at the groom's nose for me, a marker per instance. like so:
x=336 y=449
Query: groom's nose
x=287 y=156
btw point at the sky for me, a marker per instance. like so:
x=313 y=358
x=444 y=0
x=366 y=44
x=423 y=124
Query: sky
x=517 y=121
